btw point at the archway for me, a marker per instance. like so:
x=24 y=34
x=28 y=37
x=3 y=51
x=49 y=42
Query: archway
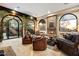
x=30 y=27
x=12 y=27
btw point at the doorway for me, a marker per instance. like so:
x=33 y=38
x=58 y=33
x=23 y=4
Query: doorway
x=11 y=27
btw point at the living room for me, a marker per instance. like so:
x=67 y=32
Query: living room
x=36 y=29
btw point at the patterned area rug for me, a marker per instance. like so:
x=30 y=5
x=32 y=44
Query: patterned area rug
x=8 y=51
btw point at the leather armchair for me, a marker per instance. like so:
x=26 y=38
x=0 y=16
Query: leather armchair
x=27 y=39
x=39 y=43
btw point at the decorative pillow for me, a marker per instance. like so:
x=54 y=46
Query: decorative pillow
x=68 y=36
x=74 y=38
x=65 y=36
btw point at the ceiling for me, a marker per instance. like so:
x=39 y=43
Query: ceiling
x=38 y=9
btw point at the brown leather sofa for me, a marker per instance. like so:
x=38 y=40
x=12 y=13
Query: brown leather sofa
x=69 y=45
x=39 y=43
x=27 y=39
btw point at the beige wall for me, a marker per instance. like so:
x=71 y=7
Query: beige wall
x=37 y=25
x=57 y=21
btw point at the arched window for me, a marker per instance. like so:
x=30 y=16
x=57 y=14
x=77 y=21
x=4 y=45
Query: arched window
x=68 y=23
x=12 y=27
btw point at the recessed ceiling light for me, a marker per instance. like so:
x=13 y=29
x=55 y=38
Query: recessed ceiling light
x=15 y=9
x=48 y=12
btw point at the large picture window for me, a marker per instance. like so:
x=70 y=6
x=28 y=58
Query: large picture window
x=68 y=23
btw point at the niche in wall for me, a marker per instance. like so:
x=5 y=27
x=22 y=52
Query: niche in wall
x=51 y=25
x=42 y=26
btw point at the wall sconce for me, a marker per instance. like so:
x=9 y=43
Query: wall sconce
x=13 y=12
x=40 y=24
x=31 y=17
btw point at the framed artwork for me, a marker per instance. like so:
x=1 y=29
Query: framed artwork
x=51 y=25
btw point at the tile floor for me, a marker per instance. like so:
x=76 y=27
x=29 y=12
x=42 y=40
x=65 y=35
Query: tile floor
x=27 y=50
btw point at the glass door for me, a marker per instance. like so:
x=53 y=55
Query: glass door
x=13 y=29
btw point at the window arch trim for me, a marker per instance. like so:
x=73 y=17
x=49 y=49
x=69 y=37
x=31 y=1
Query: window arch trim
x=69 y=14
